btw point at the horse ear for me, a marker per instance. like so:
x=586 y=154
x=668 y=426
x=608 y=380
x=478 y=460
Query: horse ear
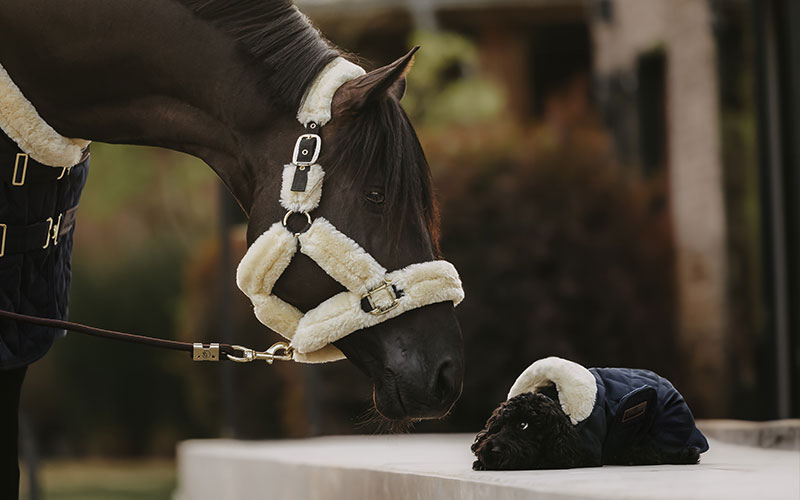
x=387 y=80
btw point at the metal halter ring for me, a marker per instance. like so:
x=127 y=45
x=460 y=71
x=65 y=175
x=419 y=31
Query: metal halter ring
x=308 y=221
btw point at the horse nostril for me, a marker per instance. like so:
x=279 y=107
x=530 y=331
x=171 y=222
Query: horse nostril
x=447 y=382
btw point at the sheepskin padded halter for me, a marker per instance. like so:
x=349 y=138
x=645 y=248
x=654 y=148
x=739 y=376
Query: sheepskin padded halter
x=373 y=295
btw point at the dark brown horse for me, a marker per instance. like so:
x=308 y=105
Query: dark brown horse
x=222 y=80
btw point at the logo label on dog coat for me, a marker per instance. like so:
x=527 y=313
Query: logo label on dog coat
x=634 y=411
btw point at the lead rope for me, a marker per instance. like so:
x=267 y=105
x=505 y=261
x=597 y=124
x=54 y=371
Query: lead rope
x=280 y=351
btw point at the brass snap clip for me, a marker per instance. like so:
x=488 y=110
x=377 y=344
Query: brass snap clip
x=279 y=350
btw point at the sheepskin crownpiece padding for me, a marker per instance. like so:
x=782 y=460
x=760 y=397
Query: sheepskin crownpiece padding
x=22 y=123
x=576 y=386
x=312 y=334
x=301 y=201
x=316 y=105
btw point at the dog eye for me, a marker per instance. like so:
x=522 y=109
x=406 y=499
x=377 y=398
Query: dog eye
x=375 y=196
x=523 y=425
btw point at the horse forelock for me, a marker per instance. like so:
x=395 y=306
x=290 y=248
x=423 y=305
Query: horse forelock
x=382 y=137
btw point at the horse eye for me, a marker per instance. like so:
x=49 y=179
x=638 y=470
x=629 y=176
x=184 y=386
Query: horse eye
x=375 y=196
x=523 y=425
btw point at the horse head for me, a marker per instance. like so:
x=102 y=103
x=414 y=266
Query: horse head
x=221 y=80
x=377 y=192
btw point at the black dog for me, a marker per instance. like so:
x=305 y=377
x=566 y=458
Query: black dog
x=634 y=417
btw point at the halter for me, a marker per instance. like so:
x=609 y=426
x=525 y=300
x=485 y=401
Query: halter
x=373 y=295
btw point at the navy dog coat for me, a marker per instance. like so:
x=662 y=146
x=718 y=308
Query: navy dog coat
x=615 y=408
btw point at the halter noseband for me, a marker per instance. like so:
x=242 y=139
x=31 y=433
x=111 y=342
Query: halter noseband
x=373 y=294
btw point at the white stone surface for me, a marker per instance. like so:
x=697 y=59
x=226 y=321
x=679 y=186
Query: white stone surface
x=439 y=467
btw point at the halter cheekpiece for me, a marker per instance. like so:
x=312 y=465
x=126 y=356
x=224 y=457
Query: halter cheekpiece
x=373 y=295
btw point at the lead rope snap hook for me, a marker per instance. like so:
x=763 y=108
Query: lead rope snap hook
x=279 y=350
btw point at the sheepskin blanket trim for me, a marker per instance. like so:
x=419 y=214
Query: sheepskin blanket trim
x=576 y=386
x=21 y=122
x=312 y=334
x=316 y=105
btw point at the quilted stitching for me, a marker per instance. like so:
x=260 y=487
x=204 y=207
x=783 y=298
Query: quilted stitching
x=36 y=283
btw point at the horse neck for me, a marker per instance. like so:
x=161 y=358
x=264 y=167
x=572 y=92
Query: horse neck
x=144 y=72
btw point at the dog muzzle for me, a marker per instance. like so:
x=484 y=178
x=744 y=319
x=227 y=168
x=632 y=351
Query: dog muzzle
x=373 y=295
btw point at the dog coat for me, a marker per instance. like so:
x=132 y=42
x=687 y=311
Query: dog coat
x=615 y=408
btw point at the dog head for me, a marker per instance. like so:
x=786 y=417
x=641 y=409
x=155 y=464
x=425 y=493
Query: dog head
x=529 y=431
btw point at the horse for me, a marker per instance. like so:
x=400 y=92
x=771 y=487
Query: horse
x=222 y=80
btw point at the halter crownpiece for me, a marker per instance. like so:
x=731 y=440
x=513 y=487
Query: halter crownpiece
x=373 y=295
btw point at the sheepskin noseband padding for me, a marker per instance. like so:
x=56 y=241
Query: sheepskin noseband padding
x=576 y=386
x=373 y=295
x=312 y=333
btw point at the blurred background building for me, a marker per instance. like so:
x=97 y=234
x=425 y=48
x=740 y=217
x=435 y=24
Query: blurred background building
x=618 y=182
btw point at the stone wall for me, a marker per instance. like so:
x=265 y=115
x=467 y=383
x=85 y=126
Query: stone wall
x=682 y=29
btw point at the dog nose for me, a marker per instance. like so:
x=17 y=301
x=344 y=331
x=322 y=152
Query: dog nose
x=446 y=383
x=491 y=454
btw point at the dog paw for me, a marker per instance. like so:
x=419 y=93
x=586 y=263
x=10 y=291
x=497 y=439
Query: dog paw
x=690 y=455
x=478 y=465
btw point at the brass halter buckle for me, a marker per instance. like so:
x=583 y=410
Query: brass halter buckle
x=387 y=290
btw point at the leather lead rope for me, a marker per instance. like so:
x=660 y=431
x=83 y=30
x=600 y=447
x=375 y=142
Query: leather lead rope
x=200 y=352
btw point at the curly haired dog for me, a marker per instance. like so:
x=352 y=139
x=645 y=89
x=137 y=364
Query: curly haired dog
x=562 y=415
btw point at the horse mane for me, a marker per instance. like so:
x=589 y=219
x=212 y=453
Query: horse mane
x=275 y=34
x=291 y=52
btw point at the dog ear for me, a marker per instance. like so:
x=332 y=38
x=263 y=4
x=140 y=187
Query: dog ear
x=493 y=423
x=565 y=446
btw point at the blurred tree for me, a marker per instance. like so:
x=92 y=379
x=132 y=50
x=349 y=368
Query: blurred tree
x=561 y=253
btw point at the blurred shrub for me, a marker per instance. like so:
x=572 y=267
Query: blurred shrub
x=142 y=213
x=561 y=251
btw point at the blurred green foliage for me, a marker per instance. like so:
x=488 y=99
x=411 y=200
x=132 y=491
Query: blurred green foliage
x=445 y=86
x=105 y=480
x=142 y=214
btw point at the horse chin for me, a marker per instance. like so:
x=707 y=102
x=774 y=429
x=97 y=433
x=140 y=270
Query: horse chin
x=390 y=404
x=415 y=362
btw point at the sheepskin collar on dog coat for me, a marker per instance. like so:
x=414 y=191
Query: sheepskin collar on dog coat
x=373 y=295
x=21 y=122
x=614 y=408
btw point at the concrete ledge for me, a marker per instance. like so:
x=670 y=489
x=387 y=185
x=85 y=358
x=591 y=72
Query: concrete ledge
x=779 y=434
x=439 y=467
